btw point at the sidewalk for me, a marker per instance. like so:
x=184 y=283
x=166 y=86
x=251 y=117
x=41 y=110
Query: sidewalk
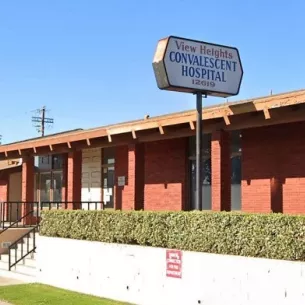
x=4 y=281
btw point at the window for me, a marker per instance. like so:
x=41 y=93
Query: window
x=108 y=155
x=49 y=180
x=57 y=162
x=236 y=170
x=50 y=162
x=206 y=171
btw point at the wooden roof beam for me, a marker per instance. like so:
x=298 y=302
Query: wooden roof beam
x=34 y=150
x=51 y=147
x=267 y=113
x=19 y=152
x=226 y=119
x=88 y=142
x=161 y=129
x=69 y=145
x=192 y=125
x=109 y=138
x=6 y=154
x=133 y=132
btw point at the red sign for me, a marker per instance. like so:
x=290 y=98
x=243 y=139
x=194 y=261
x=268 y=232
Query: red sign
x=174 y=263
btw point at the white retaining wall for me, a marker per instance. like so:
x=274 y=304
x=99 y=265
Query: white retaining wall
x=138 y=275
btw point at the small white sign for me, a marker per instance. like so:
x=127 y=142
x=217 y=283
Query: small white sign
x=194 y=66
x=106 y=198
x=121 y=181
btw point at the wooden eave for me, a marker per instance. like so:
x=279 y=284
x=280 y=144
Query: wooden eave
x=223 y=114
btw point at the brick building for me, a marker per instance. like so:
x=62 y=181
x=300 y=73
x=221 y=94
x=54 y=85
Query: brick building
x=253 y=160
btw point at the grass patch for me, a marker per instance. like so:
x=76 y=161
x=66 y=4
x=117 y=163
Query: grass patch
x=37 y=294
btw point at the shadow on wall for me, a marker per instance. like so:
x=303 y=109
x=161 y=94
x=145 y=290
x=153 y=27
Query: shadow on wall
x=273 y=163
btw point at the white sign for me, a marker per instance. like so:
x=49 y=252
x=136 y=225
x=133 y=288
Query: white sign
x=193 y=66
x=121 y=181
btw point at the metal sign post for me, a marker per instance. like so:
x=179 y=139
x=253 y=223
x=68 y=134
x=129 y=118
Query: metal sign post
x=199 y=135
x=198 y=202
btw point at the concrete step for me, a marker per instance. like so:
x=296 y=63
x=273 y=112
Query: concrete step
x=16 y=274
x=25 y=269
x=20 y=252
x=28 y=269
x=3 y=265
x=28 y=261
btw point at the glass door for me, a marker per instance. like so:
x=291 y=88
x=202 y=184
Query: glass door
x=206 y=172
x=57 y=178
x=206 y=184
x=45 y=189
x=50 y=188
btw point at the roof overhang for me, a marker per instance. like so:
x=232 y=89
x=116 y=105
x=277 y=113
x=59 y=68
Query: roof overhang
x=270 y=110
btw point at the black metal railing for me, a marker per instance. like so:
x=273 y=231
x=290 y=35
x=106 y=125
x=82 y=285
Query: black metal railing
x=16 y=214
x=75 y=205
x=27 y=215
x=16 y=254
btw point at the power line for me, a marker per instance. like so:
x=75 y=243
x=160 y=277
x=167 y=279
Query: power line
x=42 y=121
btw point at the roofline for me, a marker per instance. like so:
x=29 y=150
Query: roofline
x=221 y=111
x=46 y=137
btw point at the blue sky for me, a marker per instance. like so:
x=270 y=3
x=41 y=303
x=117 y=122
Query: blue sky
x=89 y=61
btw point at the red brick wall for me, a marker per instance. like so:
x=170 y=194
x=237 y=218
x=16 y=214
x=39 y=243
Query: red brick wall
x=74 y=178
x=64 y=192
x=27 y=191
x=130 y=164
x=28 y=179
x=3 y=190
x=273 y=169
x=221 y=171
x=165 y=175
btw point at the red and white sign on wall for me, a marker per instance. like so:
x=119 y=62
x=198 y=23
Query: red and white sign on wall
x=174 y=263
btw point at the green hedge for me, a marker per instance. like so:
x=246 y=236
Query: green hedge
x=275 y=236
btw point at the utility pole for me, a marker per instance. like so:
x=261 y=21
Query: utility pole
x=41 y=121
x=0 y=139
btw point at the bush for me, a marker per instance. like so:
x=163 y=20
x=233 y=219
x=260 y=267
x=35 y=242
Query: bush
x=274 y=236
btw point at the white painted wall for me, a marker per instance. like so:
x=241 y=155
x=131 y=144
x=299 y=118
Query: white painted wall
x=107 y=270
x=91 y=177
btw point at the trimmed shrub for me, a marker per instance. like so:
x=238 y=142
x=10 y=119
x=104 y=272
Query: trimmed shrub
x=274 y=236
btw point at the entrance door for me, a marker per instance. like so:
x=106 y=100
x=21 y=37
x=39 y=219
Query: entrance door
x=91 y=179
x=45 y=189
x=206 y=184
x=108 y=185
x=57 y=186
x=14 y=209
x=108 y=176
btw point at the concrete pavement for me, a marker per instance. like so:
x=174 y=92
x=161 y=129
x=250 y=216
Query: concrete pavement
x=4 y=281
